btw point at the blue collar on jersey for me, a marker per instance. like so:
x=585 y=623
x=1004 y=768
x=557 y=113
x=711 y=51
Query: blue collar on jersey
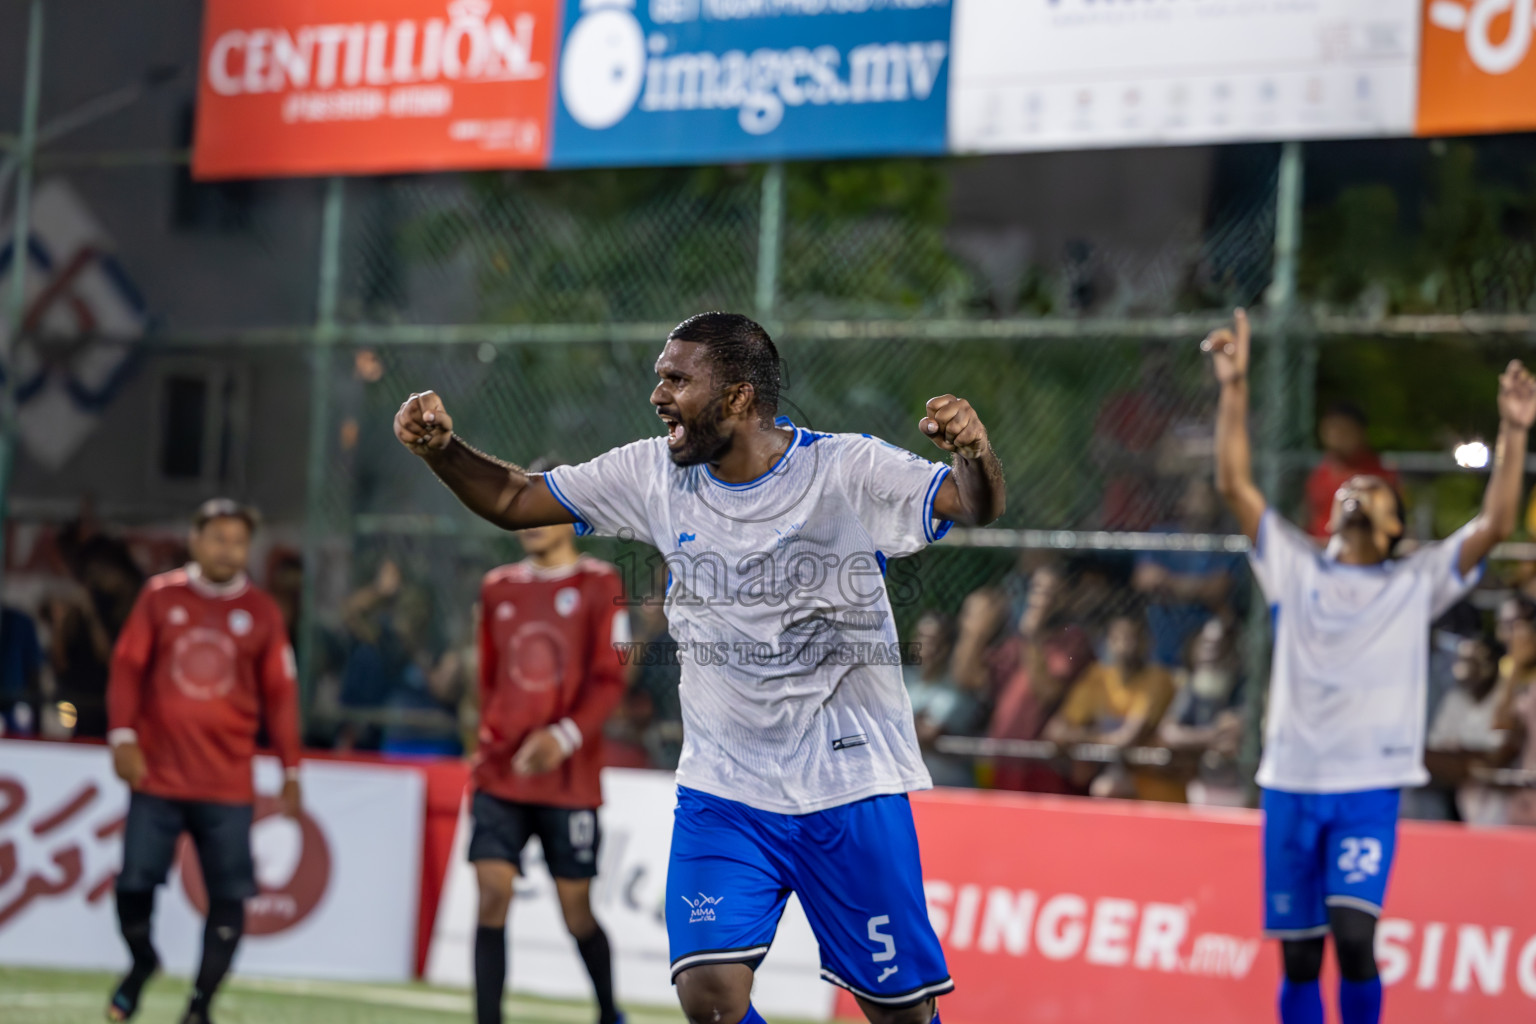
x=794 y=443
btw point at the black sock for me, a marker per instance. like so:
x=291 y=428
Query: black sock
x=490 y=973
x=134 y=913
x=221 y=936
x=599 y=960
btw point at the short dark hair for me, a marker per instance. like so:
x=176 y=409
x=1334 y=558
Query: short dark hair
x=1348 y=410
x=1525 y=608
x=225 y=508
x=740 y=352
x=1488 y=642
x=943 y=620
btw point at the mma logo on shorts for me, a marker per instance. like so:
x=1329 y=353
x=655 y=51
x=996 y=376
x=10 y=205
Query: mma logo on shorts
x=703 y=908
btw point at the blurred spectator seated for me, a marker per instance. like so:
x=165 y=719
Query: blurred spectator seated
x=1119 y=704
x=1517 y=668
x=1130 y=427
x=1464 y=733
x=1204 y=724
x=1517 y=699
x=84 y=623
x=1184 y=589
x=647 y=729
x=939 y=706
x=1347 y=452
x=21 y=672
x=1027 y=668
x=407 y=687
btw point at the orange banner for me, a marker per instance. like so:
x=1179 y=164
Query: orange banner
x=1075 y=912
x=308 y=87
x=1477 y=67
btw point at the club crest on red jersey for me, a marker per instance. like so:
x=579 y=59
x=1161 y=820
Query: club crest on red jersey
x=566 y=600
x=240 y=622
x=203 y=663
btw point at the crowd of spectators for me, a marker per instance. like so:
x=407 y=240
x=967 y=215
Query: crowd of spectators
x=1071 y=682
x=1113 y=675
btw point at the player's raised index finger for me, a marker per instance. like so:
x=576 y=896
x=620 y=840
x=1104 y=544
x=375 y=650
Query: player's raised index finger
x=1240 y=320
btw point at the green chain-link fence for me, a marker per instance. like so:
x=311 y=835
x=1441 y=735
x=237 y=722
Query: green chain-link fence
x=536 y=303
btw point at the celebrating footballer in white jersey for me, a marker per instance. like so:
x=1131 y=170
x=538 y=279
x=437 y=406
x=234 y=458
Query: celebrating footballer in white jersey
x=1345 y=725
x=799 y=741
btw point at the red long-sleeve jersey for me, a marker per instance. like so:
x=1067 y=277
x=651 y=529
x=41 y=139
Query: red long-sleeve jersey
x=548 y=659
x=197 y=669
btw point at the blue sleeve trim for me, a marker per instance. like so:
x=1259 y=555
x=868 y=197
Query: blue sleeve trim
x=932 y=532
x=583 y=528
x=1472 y=579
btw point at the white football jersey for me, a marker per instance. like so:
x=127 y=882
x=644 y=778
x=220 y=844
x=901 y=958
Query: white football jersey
x=1348 y=685
x=792 y=690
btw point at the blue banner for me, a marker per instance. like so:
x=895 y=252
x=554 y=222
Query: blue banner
x=709 y=81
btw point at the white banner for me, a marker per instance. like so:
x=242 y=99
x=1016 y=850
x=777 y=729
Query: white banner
x=628 y=898
x=1073 y=74
x=339 y=888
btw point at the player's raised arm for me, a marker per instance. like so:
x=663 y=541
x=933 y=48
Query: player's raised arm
x=496 y=491
x=1229 y=349
x=1501 y=501
x=973 y=494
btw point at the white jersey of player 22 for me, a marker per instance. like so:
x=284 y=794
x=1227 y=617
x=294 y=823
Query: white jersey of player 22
x=1349 y=684
x=792 y=691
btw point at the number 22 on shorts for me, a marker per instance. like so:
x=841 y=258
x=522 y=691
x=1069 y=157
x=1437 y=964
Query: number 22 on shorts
x=1361 y=858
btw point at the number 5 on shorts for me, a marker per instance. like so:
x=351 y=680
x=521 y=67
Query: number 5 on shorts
x=876 y=935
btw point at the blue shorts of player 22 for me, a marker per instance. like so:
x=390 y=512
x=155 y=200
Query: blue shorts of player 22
x=705 y=81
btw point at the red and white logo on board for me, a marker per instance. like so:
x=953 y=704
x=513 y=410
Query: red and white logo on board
x=358 y=86
x=293 y=869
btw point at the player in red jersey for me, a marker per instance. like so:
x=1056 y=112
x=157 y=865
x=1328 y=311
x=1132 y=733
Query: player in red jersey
x=549 y=678
x=203 y=661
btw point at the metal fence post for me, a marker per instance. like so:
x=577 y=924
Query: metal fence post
x=25 y=157
x=1279 y=424
x=316 y=522
x=770 y=233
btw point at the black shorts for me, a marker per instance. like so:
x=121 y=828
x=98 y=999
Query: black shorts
x=570 y=836
x=221 y=833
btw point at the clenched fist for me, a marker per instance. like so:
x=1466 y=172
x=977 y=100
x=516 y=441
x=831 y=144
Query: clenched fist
x=953 y=425
x=423 y=425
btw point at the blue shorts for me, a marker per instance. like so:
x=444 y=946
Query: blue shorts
x=854 y=867
x=1325 y=850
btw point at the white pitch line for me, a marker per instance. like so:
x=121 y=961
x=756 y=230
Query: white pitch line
x=441 y=1002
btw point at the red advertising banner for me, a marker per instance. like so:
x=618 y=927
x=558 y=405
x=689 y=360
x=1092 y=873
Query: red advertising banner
x=308 y=87
x=1075 y=912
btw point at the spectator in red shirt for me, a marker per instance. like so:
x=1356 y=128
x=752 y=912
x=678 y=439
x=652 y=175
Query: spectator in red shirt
x=550 y=676
x=1347 y=453
x=202 y=662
